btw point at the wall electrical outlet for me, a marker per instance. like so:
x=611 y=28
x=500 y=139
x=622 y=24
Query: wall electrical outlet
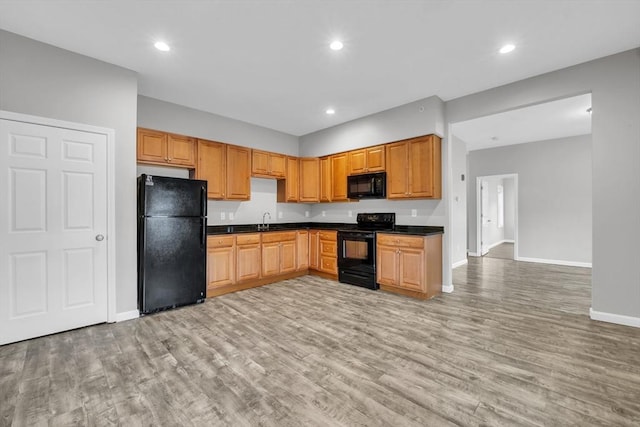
x=280 y=215
x=324 y=213
x=414 y=212
x=222 y=216
x=306 y=214
x=231 y=216
x=349 y=214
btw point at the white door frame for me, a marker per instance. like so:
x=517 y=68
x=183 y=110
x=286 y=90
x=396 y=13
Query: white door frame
x=111 y=195
x=479 y=212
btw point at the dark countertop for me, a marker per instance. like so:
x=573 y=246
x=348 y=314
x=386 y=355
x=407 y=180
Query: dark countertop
x=253 y=228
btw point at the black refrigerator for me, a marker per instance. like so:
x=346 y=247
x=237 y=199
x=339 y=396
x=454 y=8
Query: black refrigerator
x=172 y=242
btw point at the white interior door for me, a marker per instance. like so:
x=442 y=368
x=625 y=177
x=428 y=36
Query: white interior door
x=485 y=220
x=53 y=223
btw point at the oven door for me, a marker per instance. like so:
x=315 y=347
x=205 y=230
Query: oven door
x=357 y=258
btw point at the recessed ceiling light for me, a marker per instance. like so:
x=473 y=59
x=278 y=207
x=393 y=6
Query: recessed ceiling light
x=162 y=46
x=330 y=111
x=336 y=45
x=507 y=48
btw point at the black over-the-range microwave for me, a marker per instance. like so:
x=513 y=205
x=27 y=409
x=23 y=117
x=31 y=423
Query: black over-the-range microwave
x=367 y=186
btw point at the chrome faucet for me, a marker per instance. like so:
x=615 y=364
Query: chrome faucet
x=264 y=226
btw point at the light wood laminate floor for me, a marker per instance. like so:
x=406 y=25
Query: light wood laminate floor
x=513 y=345
x=503 y=251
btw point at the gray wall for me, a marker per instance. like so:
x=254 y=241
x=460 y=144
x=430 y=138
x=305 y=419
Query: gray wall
x=554 y=196
x=509 y=208
x=422 y=117
x=458 y=201
x=46 y=81
x=161 y=115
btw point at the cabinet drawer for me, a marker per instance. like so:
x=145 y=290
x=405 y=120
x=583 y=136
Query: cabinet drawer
x=220 y=241
x=328 y=248
x=328 y=235
x=401 y=241
x=278 y=236
x=248 y=239
x=328 y=264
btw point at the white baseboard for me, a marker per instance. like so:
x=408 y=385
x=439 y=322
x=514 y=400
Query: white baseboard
x=555 y=261
x=614 y=318
x=473 y=254
x=447 y=289
x=508 y=241
x=127 y=315
x=460 y=263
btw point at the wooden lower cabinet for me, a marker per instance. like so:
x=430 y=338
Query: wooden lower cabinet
x=278 y=253
x=302 y=250
x=248 y=257
x=327 y=252
x=314 y=246
x=409 y=265
x=221 y=261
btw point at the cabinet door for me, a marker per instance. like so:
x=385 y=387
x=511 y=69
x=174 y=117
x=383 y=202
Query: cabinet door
x=357 y=161
x=309 y=179
x=421 y=168
x=238 y=173
x=386 y=265
x=397 y=171
x=314 y=246
x=339 y=164
x=277 y=165
x=270 y=259
x=302 y=250
x=248 y=262
x=259 y=163
x=211 y=167
x=376 y=159
x=181 y=150
x=151 y=146
x=325 y=179
x=411 y=274
x=220 y=266
x=288 y=256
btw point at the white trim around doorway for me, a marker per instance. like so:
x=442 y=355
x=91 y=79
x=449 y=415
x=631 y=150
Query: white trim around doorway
x=479 y=179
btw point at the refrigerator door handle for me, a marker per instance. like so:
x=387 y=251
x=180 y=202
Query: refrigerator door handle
x=203 y=225
x=203 y=201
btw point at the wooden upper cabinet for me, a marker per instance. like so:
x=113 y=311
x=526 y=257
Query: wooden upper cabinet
x=414 y=168
x=309 y=179
x=152 y=146
x=288 y=189
x=238 y=173
x=366 y=160
x=211 y=167
x=339 y=164
x=326 y=179
x=267 y=165
x=166 y=149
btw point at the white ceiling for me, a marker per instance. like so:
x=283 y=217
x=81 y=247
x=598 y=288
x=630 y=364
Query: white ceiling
x=267 y=62
x=558 y=119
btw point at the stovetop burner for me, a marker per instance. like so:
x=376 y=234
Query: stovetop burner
x=376 y=221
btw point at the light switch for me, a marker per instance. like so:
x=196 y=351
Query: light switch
x=414 y=212
x=222 y=216
x=306 y=214
x=231 y=216
x=324 y=213
x=350 y=214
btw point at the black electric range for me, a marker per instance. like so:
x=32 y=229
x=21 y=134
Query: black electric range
x=357 y=249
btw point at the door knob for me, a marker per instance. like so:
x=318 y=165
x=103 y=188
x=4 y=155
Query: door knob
x=99 y=237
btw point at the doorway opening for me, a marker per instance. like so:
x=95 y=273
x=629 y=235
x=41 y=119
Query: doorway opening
x=497 y=216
